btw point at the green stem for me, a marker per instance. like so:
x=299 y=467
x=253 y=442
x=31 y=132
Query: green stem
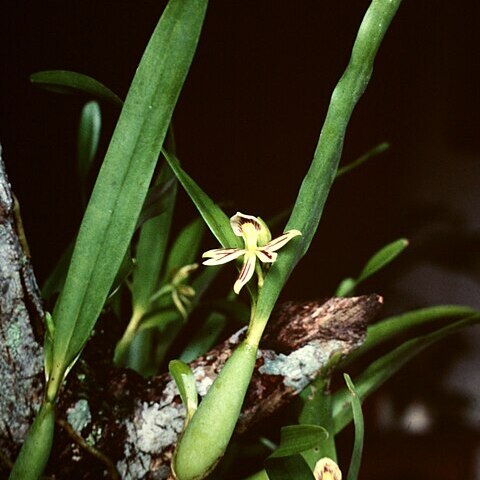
x=121 y=350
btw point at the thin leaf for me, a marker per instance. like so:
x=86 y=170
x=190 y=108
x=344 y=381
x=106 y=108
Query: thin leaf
x=379 y=260
x=382 y=258
x=356 y=459
x=156 y=200
x=185 y=381
x=88 y=138
x=64 y=81
x=205 y=338
x=377 y=150
x=298 y=438
x=151 y=247
x=213 y=215
x=392 y=327
x=122 y=183
x=385 y=367
x=288 y=468
x=316 y=185
x=186 y=246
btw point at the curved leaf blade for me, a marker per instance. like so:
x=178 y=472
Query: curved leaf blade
x=68 y=82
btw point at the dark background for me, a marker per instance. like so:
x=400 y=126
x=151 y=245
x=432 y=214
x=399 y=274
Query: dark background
x=247 y=124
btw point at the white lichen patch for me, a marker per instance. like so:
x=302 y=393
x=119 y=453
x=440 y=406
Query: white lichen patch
x=79 y=415
x=300 y=367
x=154 y=427
x=202 y=380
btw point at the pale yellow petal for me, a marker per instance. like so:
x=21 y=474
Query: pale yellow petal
x=246 y=273
x=219 y=256
x=280 y=241
x=265 y=256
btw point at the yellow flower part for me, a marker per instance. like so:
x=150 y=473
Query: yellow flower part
x=327 y=469
x=258 y=245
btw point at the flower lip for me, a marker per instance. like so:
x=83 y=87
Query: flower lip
x=240 y=219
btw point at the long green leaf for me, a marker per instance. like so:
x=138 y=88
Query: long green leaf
x=64 y=81
x=379 y=260
x=377 y=150
x=385 y=367
x=186 y=246
x=213 y=215
x=122 y=183
x=392 y=327
x=151 y=247
x=205 y=338
x=359 y=431
x=316 y=185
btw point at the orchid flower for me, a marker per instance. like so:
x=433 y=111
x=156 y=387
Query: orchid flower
x=327 y=469
x=258 y=245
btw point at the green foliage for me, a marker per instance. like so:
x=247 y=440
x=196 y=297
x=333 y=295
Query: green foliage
x=385 y=367
x=122 y=183
x=185 y=382
x=378 y=261
x=64 y=81
x=316 y=184
x=359 y=431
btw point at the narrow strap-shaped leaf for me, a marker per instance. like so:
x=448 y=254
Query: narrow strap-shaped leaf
x=299 y=438
x=205 y=338
x=151 y=247
x=382 y=258
x=377 y=150
x=397 y=325
x=316 y=185
x=122 y=183
x=65 y=81
x=356 y=459
x=213 y=215
x=376 y=262
x=186 y=246
x=385 y=367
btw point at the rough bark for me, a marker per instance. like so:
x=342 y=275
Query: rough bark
x=112 y=422
x=21 y=368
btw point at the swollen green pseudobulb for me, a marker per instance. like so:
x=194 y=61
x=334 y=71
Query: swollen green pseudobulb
x=34 y=454
x=208 y=433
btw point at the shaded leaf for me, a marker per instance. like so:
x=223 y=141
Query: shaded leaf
x=64 y=81
x=185 y=381
x=288 y=468
x=356 y=459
